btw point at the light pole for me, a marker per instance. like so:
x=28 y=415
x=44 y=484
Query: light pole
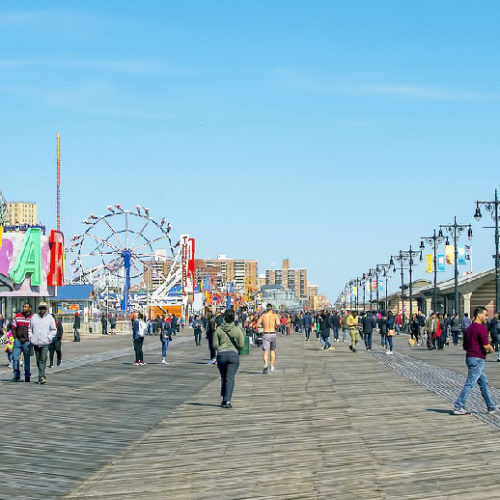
x=370 y=275
x=492 y=208
x=382 y=268
x=364 y=291
x=435 y=240
x=406 y=256
x=455 y=230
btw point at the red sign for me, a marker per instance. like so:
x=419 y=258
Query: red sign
x=187 y=254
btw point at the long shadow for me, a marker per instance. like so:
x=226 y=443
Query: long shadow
x=439 y=410
x=204 y=404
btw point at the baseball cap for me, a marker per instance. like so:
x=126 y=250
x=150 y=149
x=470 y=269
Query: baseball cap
x=43 y=304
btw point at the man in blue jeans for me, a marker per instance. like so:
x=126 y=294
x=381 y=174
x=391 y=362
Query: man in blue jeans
x=477 y=346
x=20 y=326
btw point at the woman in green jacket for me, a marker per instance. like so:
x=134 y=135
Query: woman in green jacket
x=228 y=341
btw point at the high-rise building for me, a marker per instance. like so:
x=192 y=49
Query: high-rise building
x=21 y=212
x=223 y=271
x=292 y=279
x=156 y=270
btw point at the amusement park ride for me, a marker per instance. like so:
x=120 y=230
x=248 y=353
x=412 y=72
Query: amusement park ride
x=118 y=248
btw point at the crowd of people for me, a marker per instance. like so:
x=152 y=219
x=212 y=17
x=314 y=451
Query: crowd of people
x=28 y=334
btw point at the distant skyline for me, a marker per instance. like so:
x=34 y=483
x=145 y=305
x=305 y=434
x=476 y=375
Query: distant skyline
x=331 y=132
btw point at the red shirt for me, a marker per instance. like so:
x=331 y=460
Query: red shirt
x=475 y=337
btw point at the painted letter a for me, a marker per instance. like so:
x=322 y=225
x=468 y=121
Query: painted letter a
x=29 y=259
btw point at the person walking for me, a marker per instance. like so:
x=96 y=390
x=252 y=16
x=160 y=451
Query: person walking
x=209 y=333
x=76 y=328
x=270 y=322
x=352 y=325
x=20 y=331
x=308 y=321
x=326 y=324
x=391 y=332
x=431 y=327
x=441 y=325
x=55 y=345
x=477 y=346
x=138 y=330
x=455 y=325
x=229 y=342
x=421 y=327
x=382 y=325
x=104 y=324
x=112 y=324
x=335 y=326
x=165 y=339
x=41 y=332
x=197 y=329
x=368 y=323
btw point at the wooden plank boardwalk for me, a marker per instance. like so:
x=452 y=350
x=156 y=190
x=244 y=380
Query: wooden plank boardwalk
x=327 y=425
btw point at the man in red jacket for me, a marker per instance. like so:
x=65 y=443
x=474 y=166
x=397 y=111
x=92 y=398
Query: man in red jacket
x=20 y=325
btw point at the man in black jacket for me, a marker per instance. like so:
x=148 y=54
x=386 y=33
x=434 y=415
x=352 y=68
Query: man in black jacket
x=76 y=328
x=368 y=323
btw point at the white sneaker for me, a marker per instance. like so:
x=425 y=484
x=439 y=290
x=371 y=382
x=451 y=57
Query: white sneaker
x=388 y=352
x=164 y=361
x=272 y=369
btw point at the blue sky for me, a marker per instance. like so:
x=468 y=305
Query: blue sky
x=330 y=132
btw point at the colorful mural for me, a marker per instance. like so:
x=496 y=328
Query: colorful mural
x=31 y=263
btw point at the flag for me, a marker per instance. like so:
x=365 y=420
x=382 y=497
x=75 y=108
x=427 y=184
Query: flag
x=429 y=265
x=450 y=254
x=355 y=290
x=461 y=255
x=441 y=263
x=381 y=285
x=374 y=285
x=468 y=252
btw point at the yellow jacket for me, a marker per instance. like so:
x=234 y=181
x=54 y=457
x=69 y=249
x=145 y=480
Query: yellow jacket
x=351 y=322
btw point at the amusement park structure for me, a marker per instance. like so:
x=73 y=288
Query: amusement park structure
x=115 y=250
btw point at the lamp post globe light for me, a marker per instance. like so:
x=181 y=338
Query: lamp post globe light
x=492 y=208
x=455 y=230
x=435 y=240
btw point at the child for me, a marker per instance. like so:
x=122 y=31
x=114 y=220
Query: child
x=9 y=346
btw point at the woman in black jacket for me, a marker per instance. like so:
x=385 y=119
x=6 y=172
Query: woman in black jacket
x=56 y=344
x=382 y=324
x=210 y=330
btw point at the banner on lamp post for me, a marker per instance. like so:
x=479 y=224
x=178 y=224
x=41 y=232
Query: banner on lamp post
x=441 y=263
x=450 y=254
x=429 y=265
x=461 y=255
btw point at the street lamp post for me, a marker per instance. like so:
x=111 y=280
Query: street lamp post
x=382 y=268
x=455 y=230
x=433 y=240
x=492 y=208
x=364 y=290
x=371 y=273
x=406 y=256
x=357 y=293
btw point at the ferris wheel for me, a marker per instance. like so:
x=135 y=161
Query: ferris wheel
x=119 y=246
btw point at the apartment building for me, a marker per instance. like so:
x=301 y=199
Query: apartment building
x=21 y=212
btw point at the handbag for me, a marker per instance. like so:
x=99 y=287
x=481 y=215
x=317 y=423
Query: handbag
x=390 y=333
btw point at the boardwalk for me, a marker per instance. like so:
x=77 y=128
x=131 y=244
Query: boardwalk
x=326 y=425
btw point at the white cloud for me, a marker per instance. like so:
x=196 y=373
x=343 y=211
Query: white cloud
x=370 y=85
x=138 y=66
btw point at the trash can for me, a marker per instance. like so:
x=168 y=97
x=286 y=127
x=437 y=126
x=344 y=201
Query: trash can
x=246 y=350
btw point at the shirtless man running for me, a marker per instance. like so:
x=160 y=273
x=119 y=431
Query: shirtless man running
x=270 y=321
